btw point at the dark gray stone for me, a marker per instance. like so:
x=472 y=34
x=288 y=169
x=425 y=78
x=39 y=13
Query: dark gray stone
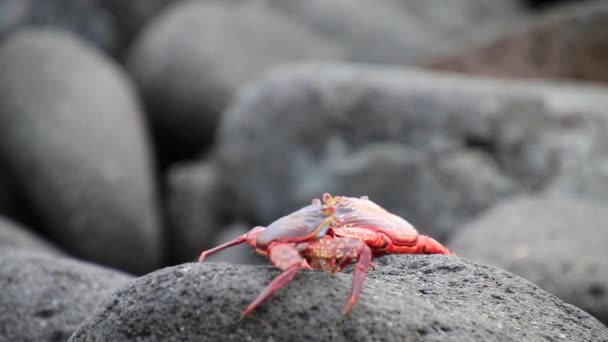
x=435 y=149
x=13 y=235
x=408 y=298
x=89 y=19
x=558 y=243
x=45 y=298
x=12 y=14
x=134 y=15
x=74 y=144
x=191 y=60
x=195 y=203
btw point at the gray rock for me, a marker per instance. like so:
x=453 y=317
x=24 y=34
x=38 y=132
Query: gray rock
x=420 y=298
x=405 y=32
x=558 y=243
x=195 y=200
x=191 y=60
x=12 y=14
x=73 y=141
x=435 y=149
x=45 y=298
x=89 y=19
x=134 y=15
x=13 y=235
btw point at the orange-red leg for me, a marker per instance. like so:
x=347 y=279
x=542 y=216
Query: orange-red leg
x=339 y=252
x=248 y=237
x=287 y=258
x=381 y=243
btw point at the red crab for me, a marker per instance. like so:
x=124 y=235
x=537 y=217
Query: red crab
x=329 y=234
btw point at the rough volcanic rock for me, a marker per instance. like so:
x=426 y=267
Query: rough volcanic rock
x=558 y=243
x=420 y=298
x=567 y=44
x=73 y=141
x=435 y=149
x=45 y=298
x=15 y=236
x=191 y=60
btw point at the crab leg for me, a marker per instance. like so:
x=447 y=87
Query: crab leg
x=248 y=237
x=343 y=250
x=287 y=258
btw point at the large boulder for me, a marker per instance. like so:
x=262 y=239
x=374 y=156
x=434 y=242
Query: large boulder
x=44 y=298
x=73 y=141
x=422 y=298
x=558 y=243
x=436 y=149
x=191 y=60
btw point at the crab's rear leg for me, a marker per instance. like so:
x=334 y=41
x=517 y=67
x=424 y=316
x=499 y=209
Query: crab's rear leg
x=342 y=251
x=248 y=237
x=286 y=257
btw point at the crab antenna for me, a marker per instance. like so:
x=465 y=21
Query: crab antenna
x=237 y=241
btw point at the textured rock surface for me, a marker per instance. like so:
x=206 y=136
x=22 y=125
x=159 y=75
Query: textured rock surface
x=571 y=43
x=73 y=142
x=558 y=243
x=190 y=61
x=421 y=298
x=13 y=235
x=45 y=298
x=435 y=149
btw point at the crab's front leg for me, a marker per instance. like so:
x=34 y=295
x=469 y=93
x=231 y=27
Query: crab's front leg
x=339 y=252
x=286 y=257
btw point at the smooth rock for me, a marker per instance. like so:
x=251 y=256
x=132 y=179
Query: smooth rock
x=435 y=149
x=568 y=43
x=196 y=204
x=15 y=236
x=73 y=141
x=419 y=298
x=45 y=298
x=88 y=19
x=191 y=60
x=557 y=243
x=12 y=14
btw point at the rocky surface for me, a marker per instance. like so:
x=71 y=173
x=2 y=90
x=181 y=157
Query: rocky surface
x=190 y=61
x=73 y=142
x=408 y=139
x=557 y=243
x=15 y=236
x=566 y=44
x=421 y=298
x=44 y=298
